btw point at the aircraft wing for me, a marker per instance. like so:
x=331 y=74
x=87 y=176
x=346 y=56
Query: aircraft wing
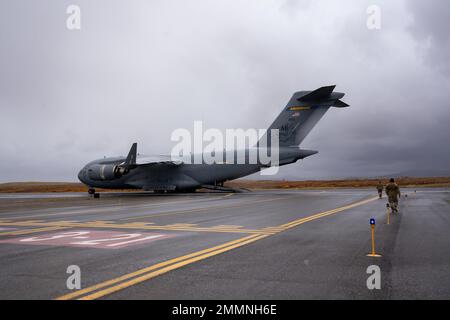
x=157 y=159
x=134 y=160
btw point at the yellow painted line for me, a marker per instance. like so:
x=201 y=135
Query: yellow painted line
x=273 y=229
x=227 y=226
x=28 y=231
x=183 y=227
x=151 y=268
x=324 y=214
x=159 y=272
x=145 y=274
x=134 y=225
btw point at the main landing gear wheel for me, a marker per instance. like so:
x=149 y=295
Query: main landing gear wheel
x=91 y=191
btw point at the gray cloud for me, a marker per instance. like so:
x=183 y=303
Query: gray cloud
x=430 y=29
x=136 y=71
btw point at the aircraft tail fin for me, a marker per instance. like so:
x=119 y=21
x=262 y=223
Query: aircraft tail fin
x=131 y=158
x=302 y=113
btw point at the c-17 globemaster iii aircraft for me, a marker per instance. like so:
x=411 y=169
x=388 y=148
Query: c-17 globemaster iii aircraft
x=164 y=173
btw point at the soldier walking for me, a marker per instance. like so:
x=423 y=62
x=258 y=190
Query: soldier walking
x=393 y=193
x=380 y=189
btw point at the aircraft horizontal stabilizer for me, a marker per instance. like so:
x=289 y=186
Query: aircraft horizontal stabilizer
x=318 y=94
x=340 y=104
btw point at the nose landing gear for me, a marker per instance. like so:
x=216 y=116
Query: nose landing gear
x=93 y=194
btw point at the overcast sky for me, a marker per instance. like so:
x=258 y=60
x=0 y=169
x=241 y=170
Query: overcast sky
x=137 y=70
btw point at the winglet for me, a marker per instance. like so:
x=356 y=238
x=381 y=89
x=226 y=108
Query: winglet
x=131 y=158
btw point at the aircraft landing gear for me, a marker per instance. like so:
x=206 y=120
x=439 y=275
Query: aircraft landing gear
x=93 y=194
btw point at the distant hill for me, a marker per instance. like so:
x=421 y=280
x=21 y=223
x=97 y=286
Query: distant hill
x=342 y=183
x=425 y=172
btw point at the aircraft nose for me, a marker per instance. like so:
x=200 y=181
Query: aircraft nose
x=81 y=175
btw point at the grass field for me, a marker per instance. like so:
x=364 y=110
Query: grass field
x=19 y=187
x=345 y=183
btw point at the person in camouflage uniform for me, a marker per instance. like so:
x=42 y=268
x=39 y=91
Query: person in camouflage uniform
x=393 y=193
x=380 y=189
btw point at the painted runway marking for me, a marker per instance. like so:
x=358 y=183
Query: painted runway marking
x=28 y=231
x=89 y=239
x=166 y=265
x=108 y=287
x=132 y=225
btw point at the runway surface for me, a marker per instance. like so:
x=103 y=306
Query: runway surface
x=258 y=245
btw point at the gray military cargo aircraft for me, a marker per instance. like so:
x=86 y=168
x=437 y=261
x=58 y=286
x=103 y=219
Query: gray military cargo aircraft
x=165 y=174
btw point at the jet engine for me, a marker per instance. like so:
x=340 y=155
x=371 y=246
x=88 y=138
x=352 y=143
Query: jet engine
x=106 y=172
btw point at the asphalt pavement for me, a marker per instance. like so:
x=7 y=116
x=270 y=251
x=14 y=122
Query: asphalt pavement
x=275 y=244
